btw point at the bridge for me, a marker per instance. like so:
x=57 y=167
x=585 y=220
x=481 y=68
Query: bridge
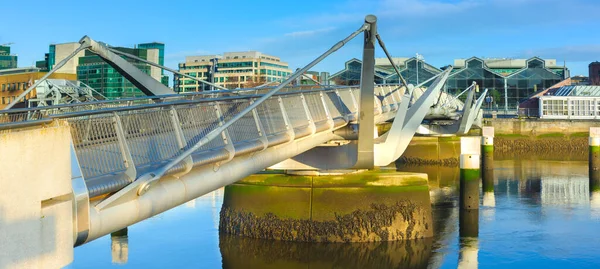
x=134 y=158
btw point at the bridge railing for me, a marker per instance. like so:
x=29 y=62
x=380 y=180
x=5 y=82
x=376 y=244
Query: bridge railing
x=114 y=145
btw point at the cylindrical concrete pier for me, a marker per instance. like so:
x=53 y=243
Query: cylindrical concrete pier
x=594 y=159
x=487 y=159
x=470 y=172
x=358 y=207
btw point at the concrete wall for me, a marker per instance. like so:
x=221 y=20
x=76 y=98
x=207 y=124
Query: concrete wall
x=36 y=224
x=538 y=126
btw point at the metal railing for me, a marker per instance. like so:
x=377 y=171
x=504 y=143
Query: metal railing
x=116 y=144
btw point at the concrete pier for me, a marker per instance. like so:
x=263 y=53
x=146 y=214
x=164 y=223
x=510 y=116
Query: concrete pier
x=359 y=207
x=470 y=172
x=594 y=159
x=36 y=207
x=487 y=159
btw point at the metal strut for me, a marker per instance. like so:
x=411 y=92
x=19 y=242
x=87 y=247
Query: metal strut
x=144 y=182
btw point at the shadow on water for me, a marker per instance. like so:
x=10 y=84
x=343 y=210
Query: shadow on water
x=244 y=252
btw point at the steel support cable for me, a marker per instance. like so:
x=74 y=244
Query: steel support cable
x=382 y=45
x=165 y=68
x=455 y=97
x=54 y=69
x=157 y=174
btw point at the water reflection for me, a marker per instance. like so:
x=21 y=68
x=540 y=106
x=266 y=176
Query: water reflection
x=119 y=248
x=243 y=252
x=540 y=214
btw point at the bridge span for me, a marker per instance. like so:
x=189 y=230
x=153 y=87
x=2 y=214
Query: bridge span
x=132 y=159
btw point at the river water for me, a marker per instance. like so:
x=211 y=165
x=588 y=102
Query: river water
x=540 y=215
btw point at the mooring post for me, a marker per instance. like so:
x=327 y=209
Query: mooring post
x=470 y=172
x=468 y=219
x=366 y=117
x=594 y=159
x=487 y=165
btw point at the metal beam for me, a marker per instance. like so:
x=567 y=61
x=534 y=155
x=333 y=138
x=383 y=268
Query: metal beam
x=141 y=80
x=366 y=116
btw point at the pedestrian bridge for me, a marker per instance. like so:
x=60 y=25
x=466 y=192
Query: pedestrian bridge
x=132 y=159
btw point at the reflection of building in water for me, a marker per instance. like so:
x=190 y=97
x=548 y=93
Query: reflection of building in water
x=565 y=191
x=468 y=255
x=595 y=204
x=119 y=249
x=216 y=203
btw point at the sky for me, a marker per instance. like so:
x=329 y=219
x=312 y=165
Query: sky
x=298 y=32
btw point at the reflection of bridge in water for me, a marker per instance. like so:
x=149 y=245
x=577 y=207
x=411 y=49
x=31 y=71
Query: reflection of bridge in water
x=135 y=158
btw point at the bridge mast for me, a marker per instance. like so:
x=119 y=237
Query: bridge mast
x=366 y=121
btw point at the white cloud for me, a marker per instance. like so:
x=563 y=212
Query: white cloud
x=306 y=33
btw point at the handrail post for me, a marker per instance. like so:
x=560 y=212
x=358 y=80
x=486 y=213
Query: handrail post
x=311 y=123
x=286 y=119
x=366 y=116
x=260 y=128
x=130 y=170
x=327 y=112
x=181 y=143
x=225 y=136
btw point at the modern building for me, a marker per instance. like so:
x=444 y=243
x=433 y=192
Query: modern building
x=509 y=81
x=413 y=70
x=571 y=102
x=14 y=82
x=57 y=53
x=7 y=60
x=594 y=76
x=315 y=78
x=99 y=75
x=93 y=71
x=580 y=80
x=161 y=58
x=231 y=70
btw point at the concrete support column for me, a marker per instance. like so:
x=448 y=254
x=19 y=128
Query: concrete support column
x=470 y=172
x=594 y=159
x=487 y=165
x=36 y=197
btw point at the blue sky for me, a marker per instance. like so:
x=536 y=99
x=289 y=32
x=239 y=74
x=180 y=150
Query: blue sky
x=441 y=30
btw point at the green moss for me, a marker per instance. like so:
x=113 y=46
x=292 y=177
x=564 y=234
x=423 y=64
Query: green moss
x=371 y=178
x=511 y=136
x=470 y=174
x=552 y=135
x=582 y=134
x=277 y=179
x=449 y=138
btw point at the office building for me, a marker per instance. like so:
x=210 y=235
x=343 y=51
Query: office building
x=13 y=82
x=231 y=70
x=413 y=70
x=7 y=60
x=99 y=75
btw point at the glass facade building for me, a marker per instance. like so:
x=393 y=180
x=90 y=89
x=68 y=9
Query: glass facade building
x=413 y=70
x=99 y=75
x=161 y=58
x=509 y=82
x=6 y=59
